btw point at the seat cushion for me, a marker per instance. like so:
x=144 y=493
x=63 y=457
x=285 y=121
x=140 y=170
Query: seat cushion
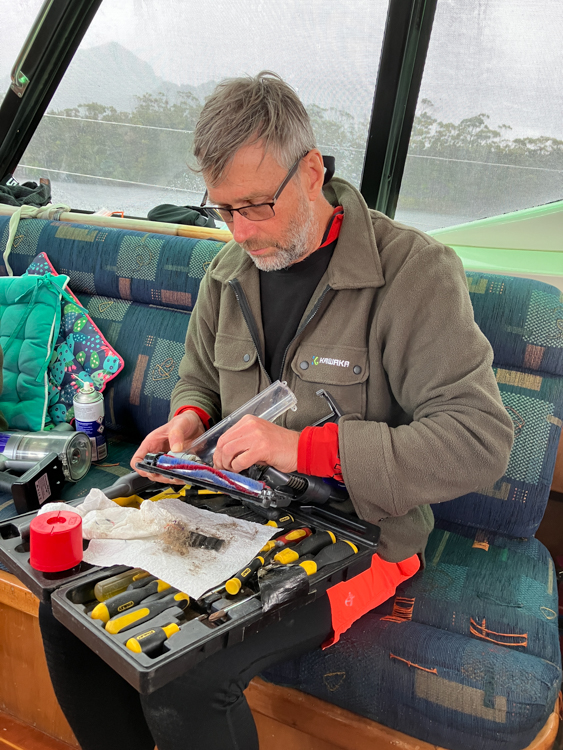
x=490 y=587
x=443 y=688
x=465 y=656
x=522 y=320
x=515 y=504
x=154 y=269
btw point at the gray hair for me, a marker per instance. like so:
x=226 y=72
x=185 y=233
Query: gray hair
x=243 y=111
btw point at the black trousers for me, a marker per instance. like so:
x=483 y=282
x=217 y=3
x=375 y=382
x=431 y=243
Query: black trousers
x=204 y=709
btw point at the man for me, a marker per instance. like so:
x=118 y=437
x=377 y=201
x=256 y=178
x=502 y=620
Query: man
x=318 y=291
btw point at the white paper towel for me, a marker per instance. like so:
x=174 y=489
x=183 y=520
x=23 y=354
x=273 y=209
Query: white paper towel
x=132 y=537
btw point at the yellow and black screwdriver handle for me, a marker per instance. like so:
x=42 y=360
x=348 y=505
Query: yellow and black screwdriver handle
x=109 y=587
x=126 y=600
x=142 y=613
x=329 y=555
x=281 y=521
x=150 y=640
x=291 y=537
x=234 y=584
x=309 y=546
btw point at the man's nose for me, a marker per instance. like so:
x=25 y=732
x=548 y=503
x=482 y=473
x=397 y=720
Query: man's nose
x=242 y=228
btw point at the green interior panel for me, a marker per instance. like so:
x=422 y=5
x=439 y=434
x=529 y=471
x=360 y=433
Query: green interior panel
x=529 y=241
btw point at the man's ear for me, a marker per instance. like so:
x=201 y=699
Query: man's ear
x=313 y=172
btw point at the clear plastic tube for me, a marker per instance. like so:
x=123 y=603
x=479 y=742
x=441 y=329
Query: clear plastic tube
x=269 y=404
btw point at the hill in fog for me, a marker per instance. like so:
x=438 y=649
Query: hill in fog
x=111 y=75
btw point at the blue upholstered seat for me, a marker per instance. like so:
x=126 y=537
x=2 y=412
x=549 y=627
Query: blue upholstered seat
x=466 y=655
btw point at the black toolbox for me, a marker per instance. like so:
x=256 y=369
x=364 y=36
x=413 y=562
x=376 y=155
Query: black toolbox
x=71 y=594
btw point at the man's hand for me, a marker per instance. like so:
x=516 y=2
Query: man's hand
x=173 y=436
x=253 y=440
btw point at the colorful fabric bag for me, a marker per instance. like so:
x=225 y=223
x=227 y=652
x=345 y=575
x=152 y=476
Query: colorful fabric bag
x=81 y=353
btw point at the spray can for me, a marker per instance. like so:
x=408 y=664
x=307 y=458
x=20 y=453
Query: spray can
x=89 y=415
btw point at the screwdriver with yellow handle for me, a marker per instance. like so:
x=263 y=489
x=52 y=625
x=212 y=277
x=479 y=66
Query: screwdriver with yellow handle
x=291 y=537
x=126 y=600
x=234 y=584
x=308 y=546
x=116 y=584
x=109 y=587
x=281 y=521
x=138 y=583
x=151 y=640
x=330 y=554
x=147 y=611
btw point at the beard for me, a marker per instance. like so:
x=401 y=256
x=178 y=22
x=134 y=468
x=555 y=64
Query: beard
x=300 y=236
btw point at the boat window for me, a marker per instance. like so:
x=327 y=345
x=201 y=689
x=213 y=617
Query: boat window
x=488 y=133
x=118 y=132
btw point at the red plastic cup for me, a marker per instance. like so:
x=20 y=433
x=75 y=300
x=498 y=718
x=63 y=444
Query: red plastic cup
x=55 y=541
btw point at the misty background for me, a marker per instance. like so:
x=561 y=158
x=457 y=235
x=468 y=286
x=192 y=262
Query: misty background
x=488 y=136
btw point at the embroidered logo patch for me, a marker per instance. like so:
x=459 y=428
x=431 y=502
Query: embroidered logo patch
x=330 y=361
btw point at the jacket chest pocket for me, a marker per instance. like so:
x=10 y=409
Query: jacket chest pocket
x=237 y=363
x=341 y=370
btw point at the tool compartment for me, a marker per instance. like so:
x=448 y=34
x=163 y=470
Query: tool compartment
x=72 y=598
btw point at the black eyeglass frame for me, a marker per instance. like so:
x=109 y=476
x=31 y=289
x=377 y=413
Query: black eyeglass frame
x=214 y=210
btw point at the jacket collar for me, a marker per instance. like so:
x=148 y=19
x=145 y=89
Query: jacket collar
x=356 y=237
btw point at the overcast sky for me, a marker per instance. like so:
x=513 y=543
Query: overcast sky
x=190 y=41
x=502 y=57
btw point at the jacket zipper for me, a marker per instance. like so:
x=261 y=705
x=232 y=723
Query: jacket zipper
x=253 y=328
x=310 y=317
x=249 y=319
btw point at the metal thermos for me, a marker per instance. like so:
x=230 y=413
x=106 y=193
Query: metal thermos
x=89 y=418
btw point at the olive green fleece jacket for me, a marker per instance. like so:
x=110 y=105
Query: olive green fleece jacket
x=389 y=332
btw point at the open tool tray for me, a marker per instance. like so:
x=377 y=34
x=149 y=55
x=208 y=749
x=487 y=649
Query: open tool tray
x=198 y=638
x=72 y=592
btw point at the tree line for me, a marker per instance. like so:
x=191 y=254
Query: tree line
x=449 y=164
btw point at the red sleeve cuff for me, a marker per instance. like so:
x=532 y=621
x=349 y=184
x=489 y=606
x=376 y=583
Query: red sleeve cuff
x=204 y=416
x=317 y=452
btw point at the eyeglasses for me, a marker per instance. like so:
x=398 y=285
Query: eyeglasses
x=256 y=212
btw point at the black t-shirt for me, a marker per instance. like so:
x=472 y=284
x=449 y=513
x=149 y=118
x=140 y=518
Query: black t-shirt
x=284 y=296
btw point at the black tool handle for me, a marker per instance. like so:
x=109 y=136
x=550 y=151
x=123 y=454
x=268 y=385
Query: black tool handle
x=334 y=553
x=234 y=584
x=150 y=640
x=315 y=543
x=308 y=546
x=127 y=600
x=142 y=613
x=127 y=485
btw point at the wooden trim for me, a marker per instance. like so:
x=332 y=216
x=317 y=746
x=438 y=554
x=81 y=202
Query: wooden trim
x=26 y=692
x=313 y=719
x=14 y=594
x=137 y=225
x=311 y=716
x=16 y=735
